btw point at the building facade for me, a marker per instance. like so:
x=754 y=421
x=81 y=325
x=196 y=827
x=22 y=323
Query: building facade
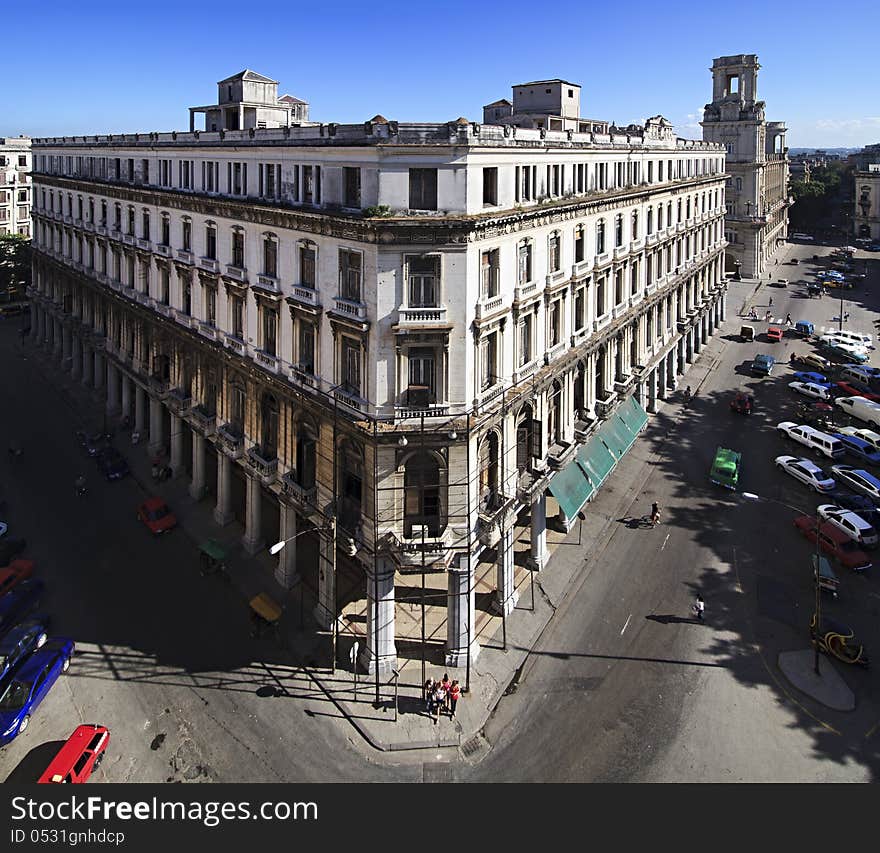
x=400 y=337
x=757 y=159
x=866 y=216
x=15 y=185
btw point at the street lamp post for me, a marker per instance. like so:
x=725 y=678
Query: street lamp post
x=753 y=497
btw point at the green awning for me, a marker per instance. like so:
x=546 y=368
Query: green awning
x=616 y=435
x=571 y=489
x=596 y=460
x=212 y=548
x=633 y=415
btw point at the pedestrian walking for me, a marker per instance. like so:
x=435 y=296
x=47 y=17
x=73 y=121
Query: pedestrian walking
x=446 y=684
x=429 y=695
x=699 y=608
x=439 y=700
x=788 y=319
x=454 y=696
x=770 y=303
x=655 y=514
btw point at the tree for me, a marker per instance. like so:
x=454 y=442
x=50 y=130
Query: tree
x=15 y=267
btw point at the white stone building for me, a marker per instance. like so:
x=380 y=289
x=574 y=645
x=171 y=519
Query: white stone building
x=866 y=216
x=757 y=160
x=398 y=336
x=15 y=185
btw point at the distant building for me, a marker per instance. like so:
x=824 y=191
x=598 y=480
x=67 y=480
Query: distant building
x=544 y=105
x=861 y=160
x=757 y=199
x=15 y=186
x=249 y=100
x=866 y=217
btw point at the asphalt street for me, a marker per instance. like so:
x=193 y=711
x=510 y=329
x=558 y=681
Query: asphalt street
x=623 y=685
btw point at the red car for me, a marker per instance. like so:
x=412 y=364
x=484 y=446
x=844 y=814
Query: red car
x=155 y=514
x=742 y=404
x=834 y=542
x=79 y=757
x=14 y=573
x=774 y=334
x=847 y=390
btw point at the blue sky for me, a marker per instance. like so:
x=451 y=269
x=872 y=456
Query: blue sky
x=98 y=67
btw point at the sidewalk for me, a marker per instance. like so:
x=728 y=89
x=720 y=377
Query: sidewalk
x=495 y=672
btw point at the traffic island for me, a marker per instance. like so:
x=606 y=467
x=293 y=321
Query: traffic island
x=827 y=688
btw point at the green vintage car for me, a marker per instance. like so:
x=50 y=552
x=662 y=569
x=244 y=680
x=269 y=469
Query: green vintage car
x=725 y=468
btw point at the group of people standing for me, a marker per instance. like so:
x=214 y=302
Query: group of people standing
x=442 y=695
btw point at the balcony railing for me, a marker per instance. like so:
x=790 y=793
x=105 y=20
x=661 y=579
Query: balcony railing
x=266 y=469
x=185 y=256
x=306 y=295
x=357 y=310
x=304 y=496
x=268 y=282
x=238 y=273
x=203 y=421
x=159 y=386
x=491 y=518
x=209 y=264
x=162 y=249
x=234 y=343
x=303 y=376
x=601 y=322
x=143 y=298
x=209 y=331
x=164 y=309
x=488 y=306
x=350 y=399
x=267 y=360
x=421 y=316
x=523 y=291
x=179 y=401
x=231 y=439
x=146 y=245
x=129 y=239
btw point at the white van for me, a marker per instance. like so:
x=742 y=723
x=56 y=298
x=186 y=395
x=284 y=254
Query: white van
x=859 y=407
x=825 y=444
x=867 y=435
x=855 y=338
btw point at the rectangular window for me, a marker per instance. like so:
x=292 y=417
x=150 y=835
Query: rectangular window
x=211 y=242
x=423 y=189
x=352 y=186
x=424 y=281
x=524 y=269
x=186 y=235
x=237 y=309
x=600 y=237
x=554 y=328
x=166 y=231
x=579 y=247
x=351 y=366
x=145 y=171
x=489 y=277
x=270 y=257
x=490 y=186
x=145 y=225
x=579 y=309
x=307 y=266
x=307 y=347
x=555 y=252
x=211 y=306
x=350 y=275
x=525 y=340
x=164 y=286
x=238 y=249
x=488 y=355
x=422 y=370
x=308 y=180
x=270 y=324
x=131 y=221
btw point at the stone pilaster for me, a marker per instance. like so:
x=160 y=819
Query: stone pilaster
x=197 y=486
x=380 y=649
x=253 y=537
x=157 y=437
x=460 y=613
x=177 y=428
x=538 y=533
x=506 y=595
x=223 y=510
x=285 y=572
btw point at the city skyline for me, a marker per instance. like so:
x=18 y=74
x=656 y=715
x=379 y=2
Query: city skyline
x=349 y=74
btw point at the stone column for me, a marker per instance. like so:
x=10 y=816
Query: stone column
x=698 y=337
x=460 y=614
x=223 y=510
x=57 y=339
x=253 y=539
x=65 y=342
x=505 y=594
x=177 y=429
x=671 y=376
x=689 y=346
x=285 y=572
x=538 y=533
x=112 y=389
x=652 y=391
x=681 y=348
x=76 y=360
x=157 y=438
x=380 y=650
x=99 y=370
x=86 y=364
x=126 y=395
x=724 y=306
x=325 y=609
x=197 y=486
x=140 y=410
x=662 y=380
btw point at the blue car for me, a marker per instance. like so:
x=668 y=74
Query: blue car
x=864 y=369
x=30 y=684
x=859 y=448
x=815 y=378
x=18 y=602
x=23 y=639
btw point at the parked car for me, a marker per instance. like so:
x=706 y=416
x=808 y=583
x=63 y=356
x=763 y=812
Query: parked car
x=859 y=407
x=852 y=524
x=827 y=445
x=860 y=504
x=80 y=756
x=804 y=328
x=112 y=463
x=154 y=512
x=14 y=574
x=742 y=404
x=859 y=448
x=866 y=435
x=808 y=473
x=746 y=333
x=858 y=480
x=811 y=389
x=834 y=542
x=856 y=389
x=815 y=378
x=812 y=359
x=23 y=639
x=859 y=372
x=774 y=334
x=31 y=684
x=846 y=352
x=763 y=365
x=3 y=528
x=17 y=603
x=814 y=289
x=10 y=549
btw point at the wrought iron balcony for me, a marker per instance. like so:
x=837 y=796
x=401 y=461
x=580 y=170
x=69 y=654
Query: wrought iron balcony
x=304 y=497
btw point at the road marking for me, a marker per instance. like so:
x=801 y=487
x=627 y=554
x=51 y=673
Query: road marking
x=625 y=624
x=664 y=542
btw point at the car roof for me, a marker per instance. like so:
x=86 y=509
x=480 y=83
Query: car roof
x=812 y=467
x=855 y=519
x=154 y=503
x=35 y=662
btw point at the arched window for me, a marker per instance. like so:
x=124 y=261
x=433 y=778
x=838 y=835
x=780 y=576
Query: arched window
x=423 y=502
x=269 y=426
